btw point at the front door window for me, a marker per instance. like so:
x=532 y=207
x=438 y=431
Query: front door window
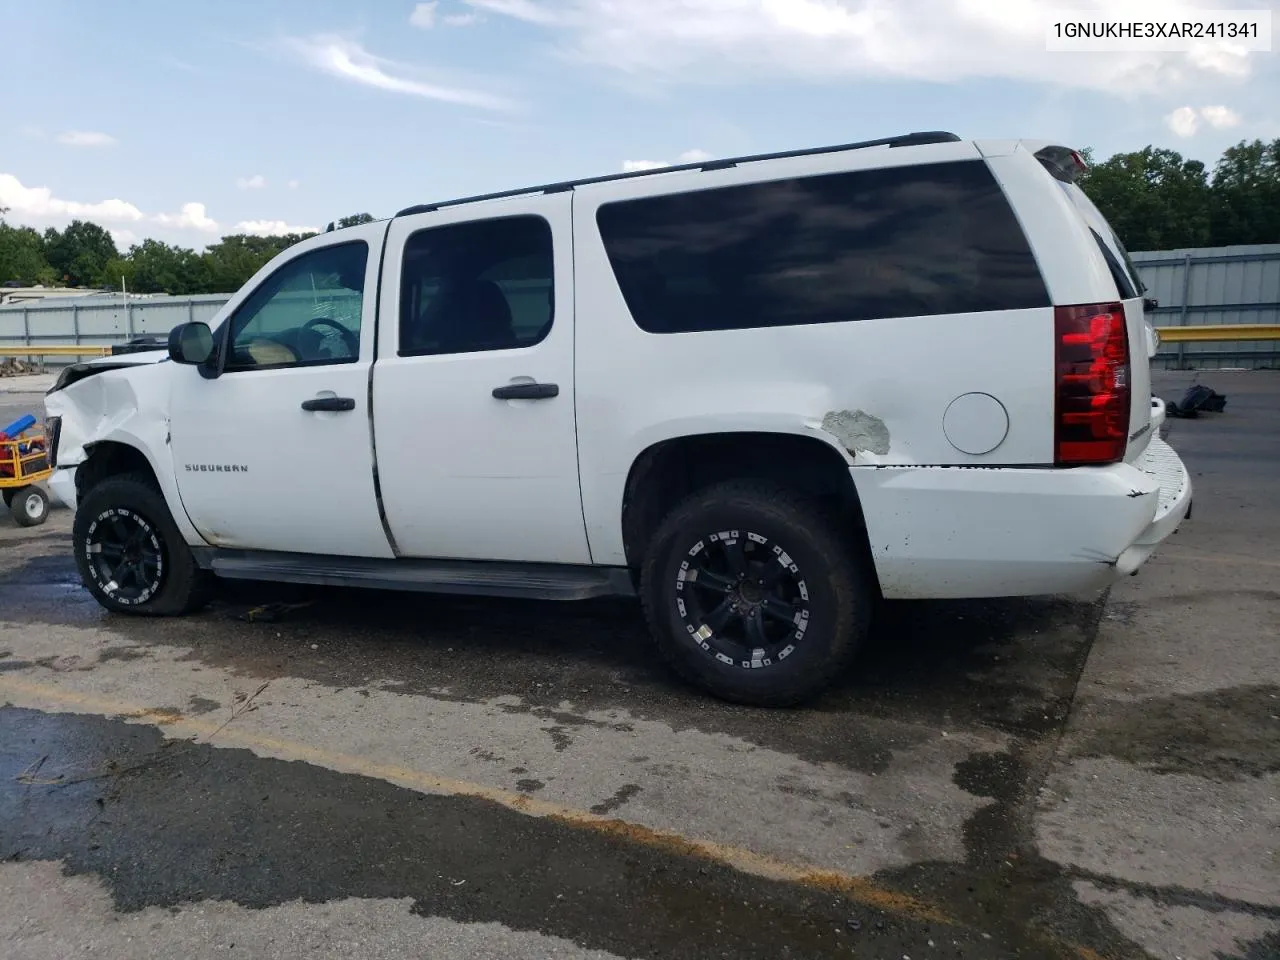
x=305 y=314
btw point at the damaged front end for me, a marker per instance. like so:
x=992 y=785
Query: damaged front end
x=75 y=372
x=118 y=400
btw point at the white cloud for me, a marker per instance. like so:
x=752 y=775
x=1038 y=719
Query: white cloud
x=694 y=156
x=271 y=228
x=424 y=15
x=1224 y=118
x=293 y=184
x=86 y=138
x=529 y=11
x=350 y=61
x=256 y=182
x=178 y=64
x=1227 y=61
x=635 y=166
x=193 y=216
x=427 y=15
x=1185 y=121
x=39 y=203
x=689 y=156
x=834 y=40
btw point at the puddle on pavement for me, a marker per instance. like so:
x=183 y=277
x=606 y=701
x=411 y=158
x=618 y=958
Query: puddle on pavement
x=1221 y=735
x=166 y=823
x=1004 y=886
x=1009 y=665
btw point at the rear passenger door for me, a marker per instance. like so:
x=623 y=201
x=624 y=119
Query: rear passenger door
x=473 y=392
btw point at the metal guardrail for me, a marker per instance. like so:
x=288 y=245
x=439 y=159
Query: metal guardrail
x=1219 y=332
x=57 y=350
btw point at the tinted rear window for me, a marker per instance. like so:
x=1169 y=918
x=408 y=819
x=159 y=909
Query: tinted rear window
x=1112 y=248
x=901 y=242
x=1124 y=286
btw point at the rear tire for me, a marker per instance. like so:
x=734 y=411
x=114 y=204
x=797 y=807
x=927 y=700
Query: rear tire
x=29 y=506
x=131 y=555
x=724 y=572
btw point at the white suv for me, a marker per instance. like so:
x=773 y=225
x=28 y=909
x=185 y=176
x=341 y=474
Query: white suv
x=759 y=393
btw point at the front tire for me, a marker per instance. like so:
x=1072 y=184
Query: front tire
x=131 y=555
x=755 y=594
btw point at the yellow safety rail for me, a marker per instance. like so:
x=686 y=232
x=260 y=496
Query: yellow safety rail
x=1220 y=332
x=56 y=350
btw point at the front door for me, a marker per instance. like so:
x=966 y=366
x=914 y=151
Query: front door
x=473 y=394
x=275 y=453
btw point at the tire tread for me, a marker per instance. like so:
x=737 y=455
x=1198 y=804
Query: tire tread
x=188 y=588
x=815 y=522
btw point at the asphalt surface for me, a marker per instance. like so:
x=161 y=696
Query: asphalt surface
x=425 y=777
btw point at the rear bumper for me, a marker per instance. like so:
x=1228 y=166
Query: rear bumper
x=944 y=532
x=1164 y=465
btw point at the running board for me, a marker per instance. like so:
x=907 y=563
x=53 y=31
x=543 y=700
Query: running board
x=535 y=581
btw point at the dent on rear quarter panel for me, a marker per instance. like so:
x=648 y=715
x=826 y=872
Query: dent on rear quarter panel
x=858 y=431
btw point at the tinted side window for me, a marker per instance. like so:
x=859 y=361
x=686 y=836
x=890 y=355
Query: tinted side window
x=1124 y=287
x=483 y=285
x=901 y=242
x=1113 y=248
x=306 y=313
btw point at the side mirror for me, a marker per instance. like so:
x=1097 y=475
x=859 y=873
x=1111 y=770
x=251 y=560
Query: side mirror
x=191 y=343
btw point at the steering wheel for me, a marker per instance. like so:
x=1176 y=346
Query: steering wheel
x=348 y=338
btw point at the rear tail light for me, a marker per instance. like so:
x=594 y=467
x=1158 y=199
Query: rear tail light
x=1093 y=385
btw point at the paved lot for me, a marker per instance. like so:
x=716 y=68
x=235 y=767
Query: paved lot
x=420 y=777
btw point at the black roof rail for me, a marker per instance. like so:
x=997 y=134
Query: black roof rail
x=904 y=140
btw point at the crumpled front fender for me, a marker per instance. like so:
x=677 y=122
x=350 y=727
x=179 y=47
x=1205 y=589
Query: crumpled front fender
x=125 y=406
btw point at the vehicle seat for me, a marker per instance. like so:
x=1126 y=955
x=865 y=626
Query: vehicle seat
x=484 y=318
x=545 y=328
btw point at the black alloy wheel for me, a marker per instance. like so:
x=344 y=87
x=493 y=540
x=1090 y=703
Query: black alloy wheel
x=131 y=555
x=756 y=593
x=743 y=599
x=124 y=556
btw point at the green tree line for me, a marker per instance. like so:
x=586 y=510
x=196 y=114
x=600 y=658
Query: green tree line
x=1153 y=197
x=84 y=255
x=1157 y=200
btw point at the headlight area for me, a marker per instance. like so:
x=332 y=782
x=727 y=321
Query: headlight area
x=52 y=431
x=70 y=374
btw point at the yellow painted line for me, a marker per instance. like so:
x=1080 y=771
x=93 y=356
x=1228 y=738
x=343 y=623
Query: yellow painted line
x=1211 y=332
x=55 y=350
x=857 y=889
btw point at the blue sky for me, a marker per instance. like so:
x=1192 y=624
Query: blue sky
x=188 y=120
